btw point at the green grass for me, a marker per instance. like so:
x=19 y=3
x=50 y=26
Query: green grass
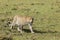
x=46 y=14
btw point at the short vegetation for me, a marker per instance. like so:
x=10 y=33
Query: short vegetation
x=46 y=14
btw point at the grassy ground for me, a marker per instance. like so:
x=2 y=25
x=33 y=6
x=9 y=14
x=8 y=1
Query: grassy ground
x=46 y=15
